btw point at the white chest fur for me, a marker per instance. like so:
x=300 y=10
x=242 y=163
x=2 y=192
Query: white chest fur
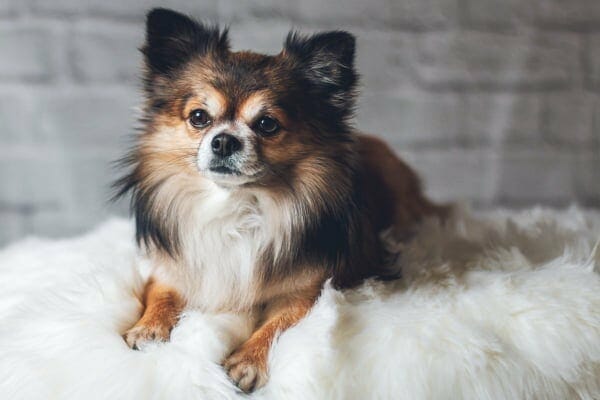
x=222 y=234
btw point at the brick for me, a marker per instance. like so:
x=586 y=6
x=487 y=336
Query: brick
x=234 y=11
x=493 y=60
x=58 y=223
x=8 y=8
x=206 y=9
x=256 y=37
x=88 y=177
x=567 y=118
x=86 y=119
x=96 y=173
x=454 y=174
x=596 y=127
x=135 y=9
x=422 y=14
x=33 y=181
x=499 y=119
x=57 y=7
x=592 y=53
x=409 y=14
x=26 y=54
x=15 y=119
x=411 y=118
x=528 y=177
x=497 y=13
x=573 y=14
x=383 y=60
x=578 y=14
x=355 y=12
x=58 y=195
x=587 y=184
x=106 y=53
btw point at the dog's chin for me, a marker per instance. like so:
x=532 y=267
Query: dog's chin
x=228 y=177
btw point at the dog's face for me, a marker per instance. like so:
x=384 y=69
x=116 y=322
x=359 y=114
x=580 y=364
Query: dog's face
x=243 y=119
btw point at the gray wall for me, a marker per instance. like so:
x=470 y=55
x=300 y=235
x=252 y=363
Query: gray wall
x=493 y=101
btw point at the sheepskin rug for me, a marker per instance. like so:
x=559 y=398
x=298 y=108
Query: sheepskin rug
x=499 y=305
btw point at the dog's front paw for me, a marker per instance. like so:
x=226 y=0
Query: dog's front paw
x=247 y=367
x=140 y=334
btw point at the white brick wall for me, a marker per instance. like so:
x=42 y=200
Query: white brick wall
x=26 y=52
x=472 y=59
x=492 y=101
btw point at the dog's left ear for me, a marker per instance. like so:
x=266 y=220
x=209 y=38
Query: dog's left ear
x=326 y=61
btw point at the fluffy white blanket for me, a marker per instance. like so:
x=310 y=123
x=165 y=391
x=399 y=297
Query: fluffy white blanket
x=495 y=306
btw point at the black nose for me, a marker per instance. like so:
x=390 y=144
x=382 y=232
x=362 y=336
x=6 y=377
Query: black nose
x=225 y=144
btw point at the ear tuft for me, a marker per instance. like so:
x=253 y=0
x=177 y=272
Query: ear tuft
x=326 y=60
x=333 y=46
x=173 y=38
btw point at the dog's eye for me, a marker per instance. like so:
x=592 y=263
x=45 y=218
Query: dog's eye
x=267 y=126
x=199 y=118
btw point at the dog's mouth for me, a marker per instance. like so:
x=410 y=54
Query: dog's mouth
x=227 y=173
x=224 y=166
x=222 y=169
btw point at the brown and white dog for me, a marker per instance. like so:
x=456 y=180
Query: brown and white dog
x=249 y=186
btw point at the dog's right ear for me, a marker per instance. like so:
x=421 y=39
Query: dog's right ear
x=172 y=39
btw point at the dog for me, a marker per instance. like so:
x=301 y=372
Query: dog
x=249 y=186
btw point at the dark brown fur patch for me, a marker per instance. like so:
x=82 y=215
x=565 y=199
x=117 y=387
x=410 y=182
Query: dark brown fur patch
x=393 y=189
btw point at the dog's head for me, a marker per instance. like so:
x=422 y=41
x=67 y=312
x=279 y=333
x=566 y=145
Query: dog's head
x=243 y=119
x=223 y=129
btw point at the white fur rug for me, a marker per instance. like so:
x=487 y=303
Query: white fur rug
x=499 y=306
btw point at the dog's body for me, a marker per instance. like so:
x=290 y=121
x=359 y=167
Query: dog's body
x=250 y=188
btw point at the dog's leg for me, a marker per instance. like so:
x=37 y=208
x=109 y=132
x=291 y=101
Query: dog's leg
x=247 y=366
x=163 y=306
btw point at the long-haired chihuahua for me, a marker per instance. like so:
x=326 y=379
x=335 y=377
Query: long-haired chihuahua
x=249 y=185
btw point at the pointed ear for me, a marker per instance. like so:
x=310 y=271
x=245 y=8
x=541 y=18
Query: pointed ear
x=326 y=60
x=173 y=38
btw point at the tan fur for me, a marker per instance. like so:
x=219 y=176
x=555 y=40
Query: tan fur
x=162 y=307
x=251 y=107
x=207 y=98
